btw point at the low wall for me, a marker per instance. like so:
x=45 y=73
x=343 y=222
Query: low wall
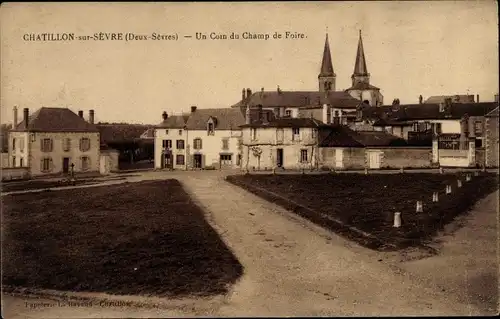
x=406 y=157
x=13 y=173
x=454 y=158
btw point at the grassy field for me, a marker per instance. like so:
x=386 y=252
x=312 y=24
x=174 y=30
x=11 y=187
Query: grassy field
x=144 y=238
x=368 y=202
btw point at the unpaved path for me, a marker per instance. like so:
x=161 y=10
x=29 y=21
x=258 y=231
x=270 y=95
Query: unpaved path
x=292 y=271
x=292 y=267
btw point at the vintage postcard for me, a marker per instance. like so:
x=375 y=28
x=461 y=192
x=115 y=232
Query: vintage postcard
x=241 y=159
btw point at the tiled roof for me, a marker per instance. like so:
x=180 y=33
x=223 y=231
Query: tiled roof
x=119 y=133
x=493 y=113
x=410 y=112
x=54 y=119
x=287 y=122
x=363 y=86
x=174 y=121
x=462 y=98
x=342 y=136
x=225 y=118
x=299 y=99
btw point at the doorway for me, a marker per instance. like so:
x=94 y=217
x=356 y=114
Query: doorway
x=279 y=157
x=197 y=160
x=168 y=160
x=65 y=165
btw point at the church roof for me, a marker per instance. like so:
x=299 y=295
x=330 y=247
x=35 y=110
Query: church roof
x=299 y=99
x=363 y=86
x=55 y=119
x=326 y=63
x=360 y=64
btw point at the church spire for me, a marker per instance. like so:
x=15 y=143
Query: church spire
x=326 y=77
x=326 y=63
x=360 y=65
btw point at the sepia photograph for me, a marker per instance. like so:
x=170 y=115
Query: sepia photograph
x=249 y=159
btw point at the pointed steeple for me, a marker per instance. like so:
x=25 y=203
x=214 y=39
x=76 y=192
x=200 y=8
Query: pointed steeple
x=360 y=65
x=326 y=63
x=326 y=77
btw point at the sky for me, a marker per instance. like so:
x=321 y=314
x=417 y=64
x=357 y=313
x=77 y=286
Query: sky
x=412 y=48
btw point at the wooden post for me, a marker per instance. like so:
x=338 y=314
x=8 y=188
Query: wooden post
x=448 y=189
x=467 y=178
x=420 y=207
x=397 y=219
x=435 y=197
x=459 y=183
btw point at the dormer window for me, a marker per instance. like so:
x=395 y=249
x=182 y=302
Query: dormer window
x=288 y=113
x=211 y=126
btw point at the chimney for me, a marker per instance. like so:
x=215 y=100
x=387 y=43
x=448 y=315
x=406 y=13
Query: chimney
x=496 y=98
x=279 y=90
x=243 y=94
x=249 y=92
x=193 y=109
x=326 y=120
x=80 y=114
x=14 y=119
x=441 y=107
x=26 y=114
x=91 y=116
x=477 y=98
x=420 y=99
x=247 y=115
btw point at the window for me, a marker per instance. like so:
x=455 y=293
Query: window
x=13 y=161
x=46 y=165
x=46 y=145
x=179 y=159
x=180 y=144
x=253 y=134
x=288 y=113
x=295 y=134
x=210 y=129
x=303 y=156
x=66 y=144
x=180 y=132
x=225 y=159
x=279 y=135
x=479 y=142
x=197 y=144
x=13 y=144
x=478 y=128
x=438 y=128
x=166 y=132
x=167 y=144
x=21 y=164
x=21 y=145
x=85 y=163
x=84 y=144
x=225 y=143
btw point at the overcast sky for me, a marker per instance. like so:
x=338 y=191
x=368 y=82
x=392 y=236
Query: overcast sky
x=411 y=48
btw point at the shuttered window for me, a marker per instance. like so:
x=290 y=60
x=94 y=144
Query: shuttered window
x=46 y=165
x=179 y=159
x=303 y=156
x=85 y=163
x=197 y=145
x=66 y=144
x=180 y=144
x=84 y=144
x=46 y=145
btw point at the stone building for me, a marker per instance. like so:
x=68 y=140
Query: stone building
x=491 y=139
x=54 y=141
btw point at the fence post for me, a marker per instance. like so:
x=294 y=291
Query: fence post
x=420 y=207
x=435 y=197
x=397 y=219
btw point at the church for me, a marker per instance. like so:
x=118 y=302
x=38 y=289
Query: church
x=342 y=104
